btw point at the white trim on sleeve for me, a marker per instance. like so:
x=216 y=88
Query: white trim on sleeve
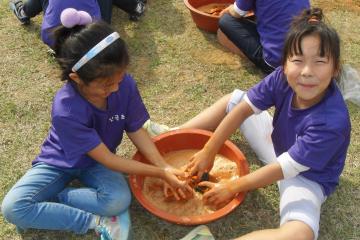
x=289 y=166
x=255 y=109
x=242 y=13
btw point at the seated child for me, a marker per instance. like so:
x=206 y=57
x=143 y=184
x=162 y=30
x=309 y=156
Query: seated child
x=303 y=147
x=261 y=41
x=52 y=10
x=90 y=113
x=98 y=9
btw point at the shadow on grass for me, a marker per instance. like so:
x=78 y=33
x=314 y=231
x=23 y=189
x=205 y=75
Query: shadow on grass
x=248 y=66
x=162 y=21
x=252 y=214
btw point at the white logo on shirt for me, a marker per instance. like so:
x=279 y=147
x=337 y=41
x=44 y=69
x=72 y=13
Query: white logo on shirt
x=116 y=118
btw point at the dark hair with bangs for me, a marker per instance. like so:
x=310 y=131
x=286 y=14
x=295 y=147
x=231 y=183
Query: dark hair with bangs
x=71 y=44
x=310 y=22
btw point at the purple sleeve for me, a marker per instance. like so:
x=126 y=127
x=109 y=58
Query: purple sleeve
x=316 y=147
x=137 y=113
x=245 y=5
x=75 y=138
x=264 y=94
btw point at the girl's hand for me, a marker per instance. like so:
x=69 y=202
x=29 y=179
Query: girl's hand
x=230 y=10
x=174 y=186
x=200 y=163
x=219 y=194
x=171 y=193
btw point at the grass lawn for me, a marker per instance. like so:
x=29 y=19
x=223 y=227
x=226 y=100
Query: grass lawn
x=167 y=53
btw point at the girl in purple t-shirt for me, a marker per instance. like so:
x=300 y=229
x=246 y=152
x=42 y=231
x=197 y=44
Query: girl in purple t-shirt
x=89 y=115
x=304 y=146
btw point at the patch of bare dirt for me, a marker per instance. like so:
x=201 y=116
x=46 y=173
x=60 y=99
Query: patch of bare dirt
x=350 y=5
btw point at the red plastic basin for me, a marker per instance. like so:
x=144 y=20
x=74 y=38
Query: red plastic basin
x=181 y=140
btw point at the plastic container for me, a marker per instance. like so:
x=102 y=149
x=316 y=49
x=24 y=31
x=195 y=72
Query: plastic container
x=205 y=21
x=181 y=140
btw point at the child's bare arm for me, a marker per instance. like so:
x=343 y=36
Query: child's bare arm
x=203 y=160
x=228 y=126
x=230 y=10
x=112 y=161
x=259 y=178
x=146 y=146
x=221 y=193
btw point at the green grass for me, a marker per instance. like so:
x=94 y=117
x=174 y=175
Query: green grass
x=180 y=70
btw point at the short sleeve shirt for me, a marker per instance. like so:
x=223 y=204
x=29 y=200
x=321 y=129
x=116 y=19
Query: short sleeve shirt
x=78 y=126
x=316 y=137
x=273 y=20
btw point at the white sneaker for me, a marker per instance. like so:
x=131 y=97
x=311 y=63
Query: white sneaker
x=201 y=232
x=154 y=128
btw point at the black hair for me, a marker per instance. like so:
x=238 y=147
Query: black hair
x=71 y=44
x=310 y=22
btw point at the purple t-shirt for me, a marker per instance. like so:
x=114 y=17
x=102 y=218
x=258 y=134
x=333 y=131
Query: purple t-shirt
x=52 y=13
x=316 y=137
x=273 y=19
x=78 y=126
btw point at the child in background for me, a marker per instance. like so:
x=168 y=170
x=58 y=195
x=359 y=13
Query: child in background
x=30 y=8
x=89 y=115
x=261 y=41
x=52 y=10
x=98 y=9
x=310 y=136
x=135 y=8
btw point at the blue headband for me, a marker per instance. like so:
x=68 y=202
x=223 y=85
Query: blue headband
x=95 y=50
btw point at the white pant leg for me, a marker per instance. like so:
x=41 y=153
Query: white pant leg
x=257 y=130
x=301 y=200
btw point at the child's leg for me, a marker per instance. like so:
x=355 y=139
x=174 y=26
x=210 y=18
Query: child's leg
x=34 y=7
x=106 y=10
x=300 y=205
x=225 y=41
x=126 y=5
x=208 y=119
x=301 y=200
x=106 y=192
x=256 y=129
x=27 y=203
x=211 y=117
x=294 y=230
x=135 y=8
x=243 y=34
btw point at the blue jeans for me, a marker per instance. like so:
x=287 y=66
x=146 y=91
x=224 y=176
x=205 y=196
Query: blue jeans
x=41 y=199
x=243 y=33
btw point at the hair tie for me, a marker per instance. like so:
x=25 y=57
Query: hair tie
x=70 y=17
x=313 y=19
